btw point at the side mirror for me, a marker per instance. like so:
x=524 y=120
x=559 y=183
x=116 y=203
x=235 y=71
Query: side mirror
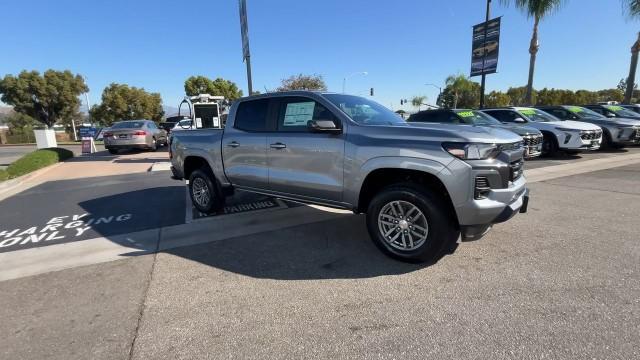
x=323 y=126
x=186 y=126
x=519 y=120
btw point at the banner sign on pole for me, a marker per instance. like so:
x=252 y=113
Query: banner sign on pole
x=485 y=48
x=244 y=29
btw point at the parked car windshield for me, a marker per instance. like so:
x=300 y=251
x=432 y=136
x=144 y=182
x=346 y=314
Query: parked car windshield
x=538 y=115
x=585 y=113
x=620 y=111
x=477 y=118
x=364 y=111
x=128 y=125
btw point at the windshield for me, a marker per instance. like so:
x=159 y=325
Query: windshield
x=128 y=125
x=620 y=111
x=537 y=115
x=477 y=118
x=364 y=111
x=585 y=113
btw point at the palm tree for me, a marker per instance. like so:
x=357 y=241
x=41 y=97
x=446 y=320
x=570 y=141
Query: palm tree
x=633 y=8
x=537 y=9
x=418 y=101
x=458 y=84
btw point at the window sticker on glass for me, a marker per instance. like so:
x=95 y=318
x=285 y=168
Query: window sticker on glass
x=528 y=111
x=614 y=108
x=298 y=114
x=198 y=123
x=575 y=109
x=466 y=113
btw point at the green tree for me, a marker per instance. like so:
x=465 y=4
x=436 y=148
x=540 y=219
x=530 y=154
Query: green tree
x=196 y=85
x=518 y=95
x=121 y=102
x=418 y=101
x=497 y=99
x=303 y=82
x=460 y=92
x=536 y=9
x=610 y=95
x=48 y=98
x=632 y=7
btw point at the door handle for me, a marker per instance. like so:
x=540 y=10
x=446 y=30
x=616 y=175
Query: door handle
x=233 y=144
x=278 y=145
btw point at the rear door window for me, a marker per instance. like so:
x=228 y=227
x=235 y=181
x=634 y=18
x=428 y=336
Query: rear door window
x=252 y=115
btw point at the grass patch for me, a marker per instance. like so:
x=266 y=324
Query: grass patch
x=34 y=161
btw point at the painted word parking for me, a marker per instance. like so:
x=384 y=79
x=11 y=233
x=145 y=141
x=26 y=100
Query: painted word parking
x=58 y=229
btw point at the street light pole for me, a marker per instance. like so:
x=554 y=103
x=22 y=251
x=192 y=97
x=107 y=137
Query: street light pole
x=344 y=79
x=484 y=56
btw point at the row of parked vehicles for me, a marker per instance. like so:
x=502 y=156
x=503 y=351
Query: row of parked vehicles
x=545 y=130
x=422 y=183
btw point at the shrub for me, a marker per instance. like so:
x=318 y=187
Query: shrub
x=36 y=160
x=3 y=175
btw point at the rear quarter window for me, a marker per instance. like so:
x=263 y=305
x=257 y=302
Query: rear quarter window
x=252 y=115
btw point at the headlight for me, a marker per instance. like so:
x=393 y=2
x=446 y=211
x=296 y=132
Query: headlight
x=565 y=129
x=467 y=151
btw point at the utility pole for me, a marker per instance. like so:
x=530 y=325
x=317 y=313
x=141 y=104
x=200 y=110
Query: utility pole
x=244 y=30
x=484 y=56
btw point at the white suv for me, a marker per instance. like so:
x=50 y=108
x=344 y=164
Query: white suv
x=567 y=135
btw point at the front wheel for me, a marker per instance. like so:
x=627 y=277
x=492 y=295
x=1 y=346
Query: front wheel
x=409 y=223
x=203 y=192
x=549 y=145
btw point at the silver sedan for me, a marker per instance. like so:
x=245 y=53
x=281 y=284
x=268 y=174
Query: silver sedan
x=134 y=134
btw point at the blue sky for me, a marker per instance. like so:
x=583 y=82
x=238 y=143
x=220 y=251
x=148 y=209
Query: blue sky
x=402 y=44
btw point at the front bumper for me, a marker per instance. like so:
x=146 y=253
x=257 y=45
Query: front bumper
x=576 y=140
x=475 y=232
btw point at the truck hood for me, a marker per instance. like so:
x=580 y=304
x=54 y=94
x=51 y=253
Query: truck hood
x=570 y=124
x=518 y=129
x=625 y=121
x=470 y=133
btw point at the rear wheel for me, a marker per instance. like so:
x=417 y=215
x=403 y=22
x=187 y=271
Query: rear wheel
x=203 y=192
x=410 y=223
x=154 y=145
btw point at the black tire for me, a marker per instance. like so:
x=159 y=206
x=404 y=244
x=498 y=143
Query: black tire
x=112 y=151
x=606 y=141
x=441 y=225
x=549 y=145
x=214 y=200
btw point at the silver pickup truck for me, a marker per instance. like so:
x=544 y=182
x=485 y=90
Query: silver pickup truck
x=420 y=185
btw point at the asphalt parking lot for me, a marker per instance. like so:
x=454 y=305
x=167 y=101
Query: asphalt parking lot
x=148 y=278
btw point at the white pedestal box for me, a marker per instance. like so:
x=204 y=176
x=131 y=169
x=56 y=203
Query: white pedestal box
x=45 y=138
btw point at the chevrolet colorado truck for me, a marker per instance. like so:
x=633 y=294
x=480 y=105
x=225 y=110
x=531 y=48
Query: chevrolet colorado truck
x=420 y=185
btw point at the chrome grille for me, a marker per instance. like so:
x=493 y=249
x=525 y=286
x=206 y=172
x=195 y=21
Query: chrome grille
x=590 y=134
x=532 y=140
x=516 y=170
x=511 y=146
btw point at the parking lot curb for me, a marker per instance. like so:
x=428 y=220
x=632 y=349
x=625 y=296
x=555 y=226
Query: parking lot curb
x=12 y=186
x=583 y=167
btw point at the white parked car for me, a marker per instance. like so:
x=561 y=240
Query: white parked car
x=567 y=135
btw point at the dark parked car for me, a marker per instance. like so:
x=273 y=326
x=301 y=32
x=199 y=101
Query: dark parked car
x=617 y=132
x=614 y=111
x=532 y=137
x=633 y=107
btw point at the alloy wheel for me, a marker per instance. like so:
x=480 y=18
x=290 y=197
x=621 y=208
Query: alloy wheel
x=402 y=225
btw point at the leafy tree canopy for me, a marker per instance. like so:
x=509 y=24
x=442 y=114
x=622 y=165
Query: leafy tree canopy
x=460 y=92
x=196 y=85
x=122 y=102
x=303 y=82
x=48 y=98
